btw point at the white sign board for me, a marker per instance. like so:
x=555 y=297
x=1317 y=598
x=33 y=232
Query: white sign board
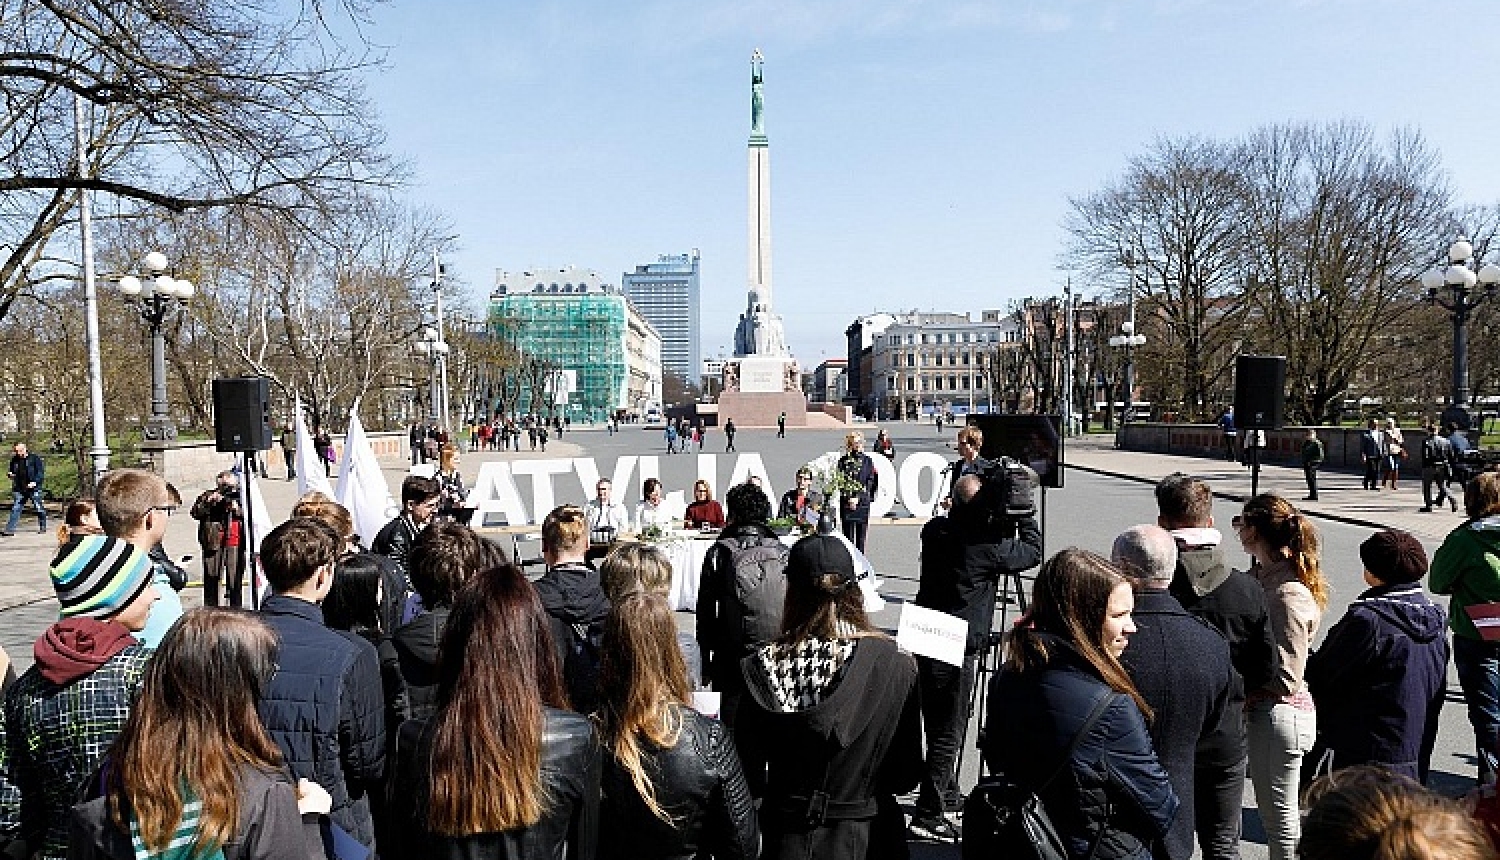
x=930 y=633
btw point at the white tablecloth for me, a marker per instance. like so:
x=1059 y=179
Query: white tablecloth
x=687 y=555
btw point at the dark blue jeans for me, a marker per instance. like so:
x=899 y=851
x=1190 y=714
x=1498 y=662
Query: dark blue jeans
x=1478 y=665
x=34 y=498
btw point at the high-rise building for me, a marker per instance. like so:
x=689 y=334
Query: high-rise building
x=666 y=293
x=602 y=353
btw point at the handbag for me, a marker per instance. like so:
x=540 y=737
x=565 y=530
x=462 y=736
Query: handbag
x=1003 y=818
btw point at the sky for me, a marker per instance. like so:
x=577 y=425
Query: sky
x=923 y=152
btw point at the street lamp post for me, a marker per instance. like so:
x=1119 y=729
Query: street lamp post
x=431 y=344
x=157 y=299
x=1460 y=278
x=1129 y=340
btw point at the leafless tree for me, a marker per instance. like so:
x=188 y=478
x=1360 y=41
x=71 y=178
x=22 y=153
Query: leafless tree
x=184 y=106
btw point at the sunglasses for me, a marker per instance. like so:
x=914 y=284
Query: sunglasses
x=166 y=509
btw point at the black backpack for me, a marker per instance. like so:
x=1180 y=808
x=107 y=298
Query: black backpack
x=582 y=647
x=758 y=566
x=1003 y=818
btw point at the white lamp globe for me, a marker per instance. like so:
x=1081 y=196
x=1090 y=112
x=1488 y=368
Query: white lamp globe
x=1432 y=278
x=1461 y=276
x=156 y=261
x=185 y=289
x=130 y=285
x=1489 y=275
x=1460 y=251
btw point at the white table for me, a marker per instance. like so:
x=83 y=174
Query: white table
x=686 y=553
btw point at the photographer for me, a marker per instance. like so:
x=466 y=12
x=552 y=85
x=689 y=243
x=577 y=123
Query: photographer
x=221 y=526
x=990 y=532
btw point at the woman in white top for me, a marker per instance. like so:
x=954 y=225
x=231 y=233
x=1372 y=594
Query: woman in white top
x=651 y=511
x=1394 y=445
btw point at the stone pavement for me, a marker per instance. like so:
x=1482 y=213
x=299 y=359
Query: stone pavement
x=1340 y=496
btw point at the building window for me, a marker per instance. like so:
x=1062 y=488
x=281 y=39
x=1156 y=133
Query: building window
x=911 y=383
x=966 y=359
x=938 y=359
x=952 y=383
x=925 y=338
x=911 y=359
x=890 y=384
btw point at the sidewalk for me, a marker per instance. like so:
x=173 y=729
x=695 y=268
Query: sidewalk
x=1340 y=496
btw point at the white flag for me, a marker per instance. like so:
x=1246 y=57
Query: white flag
x=362 y=487
x=311 y=472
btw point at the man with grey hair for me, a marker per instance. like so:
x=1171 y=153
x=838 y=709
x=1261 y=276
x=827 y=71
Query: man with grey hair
x=1192 y=699
x=1147 y=553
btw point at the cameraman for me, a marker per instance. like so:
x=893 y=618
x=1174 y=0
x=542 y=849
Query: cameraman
x=221 y=532
x=984 y=537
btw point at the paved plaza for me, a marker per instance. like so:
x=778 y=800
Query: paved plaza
x=1104 y=492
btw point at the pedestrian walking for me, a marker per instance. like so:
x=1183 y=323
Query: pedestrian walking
x=1229 y=433
x=289 y=450
x=1437 y=468
x=27 y=472
x=1394 y=451
x=781 y=426
x=1370 y=445
x=1312 y=458
x=671 y=436
x=729 y=435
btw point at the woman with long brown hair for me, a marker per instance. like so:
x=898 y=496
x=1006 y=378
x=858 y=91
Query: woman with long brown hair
x=829 y=725
x=1065 y=721
x=500 y=770
x=1281 y=722
x=672 y=783
x=194 y=774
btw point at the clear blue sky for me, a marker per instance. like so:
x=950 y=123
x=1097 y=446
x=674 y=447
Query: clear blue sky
x=922 y=151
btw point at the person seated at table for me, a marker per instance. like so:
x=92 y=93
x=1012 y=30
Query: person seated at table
x=801 y=503
x=651 y=511
x=606 y=518
x=703 y=511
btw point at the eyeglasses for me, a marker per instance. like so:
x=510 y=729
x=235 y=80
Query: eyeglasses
x=1237 y=521
x=166 y=509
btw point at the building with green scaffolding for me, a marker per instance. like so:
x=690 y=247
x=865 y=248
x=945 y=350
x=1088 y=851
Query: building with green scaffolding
x=603 y=357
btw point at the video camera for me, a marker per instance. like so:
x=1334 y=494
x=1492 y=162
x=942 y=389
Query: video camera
x=1007 y=490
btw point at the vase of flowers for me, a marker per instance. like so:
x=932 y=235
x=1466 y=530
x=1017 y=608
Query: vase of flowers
x=831 y=481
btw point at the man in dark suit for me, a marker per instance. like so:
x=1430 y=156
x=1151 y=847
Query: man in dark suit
x=1235 y=604
x=1192 y=700
x=970 y=440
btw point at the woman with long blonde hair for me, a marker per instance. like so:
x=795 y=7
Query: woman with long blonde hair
x=501 y=769
x=1066 y=722
x=194 y=774
x=672 y=783
x=1281 y=721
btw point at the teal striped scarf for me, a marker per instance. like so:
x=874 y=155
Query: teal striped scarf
x=181 y=846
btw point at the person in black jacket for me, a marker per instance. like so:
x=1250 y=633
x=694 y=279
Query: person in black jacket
x=419 y=501
x=1111 y=799
x=672 y=784
x=829 y=730
x=1381 y=675
x=501 y=769
x=1193 y=699
x=857 y=466
x=740 y=594
x=1235 y=604
x=445 y=556
x=27 y=474
x=573 y=596
x=964 y=555
x=324 y=706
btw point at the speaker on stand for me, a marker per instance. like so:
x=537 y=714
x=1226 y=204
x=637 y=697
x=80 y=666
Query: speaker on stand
x=242 y=426
x=1259 y=403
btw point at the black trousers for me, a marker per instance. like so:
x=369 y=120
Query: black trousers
x=1372 y=473
x=227 y=566
x=855 y=531
x=945 y=692
x=1433 y=477
x=1310 y=472
x=1218 y=793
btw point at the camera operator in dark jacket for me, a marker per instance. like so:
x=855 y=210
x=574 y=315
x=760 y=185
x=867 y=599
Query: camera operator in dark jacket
x=1381 y=675
x=221 y=536
x=964 y=555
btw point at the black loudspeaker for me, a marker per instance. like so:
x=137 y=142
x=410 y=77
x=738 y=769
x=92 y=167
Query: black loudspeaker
x=242 y=414
x=1259 y=391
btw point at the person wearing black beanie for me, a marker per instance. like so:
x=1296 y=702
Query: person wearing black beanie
x=1381 y=675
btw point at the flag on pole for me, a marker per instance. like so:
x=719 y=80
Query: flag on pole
x=311 y=471
x=362 y=487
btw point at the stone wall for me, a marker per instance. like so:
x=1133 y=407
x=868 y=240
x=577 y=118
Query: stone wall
x=194 y=464
x=1283 y=447
x=762 y=409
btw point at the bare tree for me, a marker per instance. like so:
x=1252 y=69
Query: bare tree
x=1338 y=227
x=184 y=106
x=1171 y=225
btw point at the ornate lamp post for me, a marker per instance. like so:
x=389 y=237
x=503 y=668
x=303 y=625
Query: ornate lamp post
x=1129 y=340
x=157 y=299
x=1460 y=278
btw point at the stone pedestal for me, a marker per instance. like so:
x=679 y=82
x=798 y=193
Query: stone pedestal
x=757 y=389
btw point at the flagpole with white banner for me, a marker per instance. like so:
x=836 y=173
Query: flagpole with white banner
x=312 y=474
x=362 y=487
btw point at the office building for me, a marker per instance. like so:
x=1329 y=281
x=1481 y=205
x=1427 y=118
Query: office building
x=666 y=293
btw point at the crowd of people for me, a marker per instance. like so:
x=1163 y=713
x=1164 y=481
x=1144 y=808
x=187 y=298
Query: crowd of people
x=361 y=708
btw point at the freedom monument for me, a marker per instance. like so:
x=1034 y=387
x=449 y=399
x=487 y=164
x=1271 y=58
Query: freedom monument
x=762 y=380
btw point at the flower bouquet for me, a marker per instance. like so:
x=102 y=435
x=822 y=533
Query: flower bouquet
x=829 y=480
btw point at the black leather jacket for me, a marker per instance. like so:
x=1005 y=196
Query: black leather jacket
x=568 y=829
x=395 y=541
x=700 y=783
